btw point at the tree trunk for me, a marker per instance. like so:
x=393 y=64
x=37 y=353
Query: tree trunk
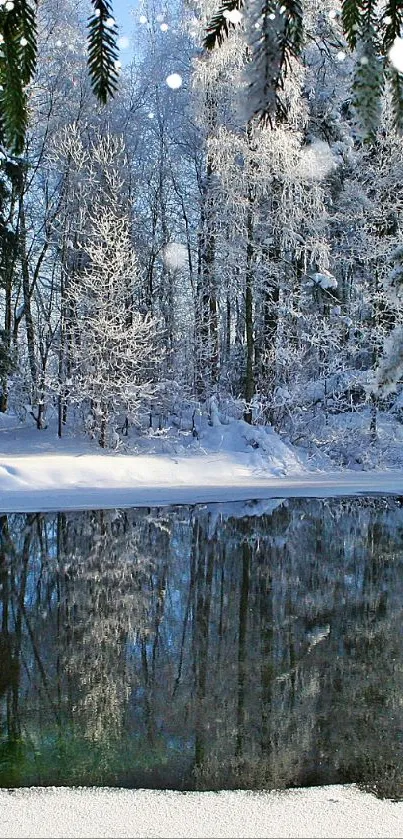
x=29 y=324
x=7 y=343
x=207 y=320
x=249 y=375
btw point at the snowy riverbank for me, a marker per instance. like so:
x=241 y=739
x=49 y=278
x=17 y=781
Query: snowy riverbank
x=233 y=462
x=34 y=483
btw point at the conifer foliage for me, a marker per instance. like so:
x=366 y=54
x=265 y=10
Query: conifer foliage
x=17 y=65
x=274 y=35
x=220 y=23
x=18 y=48
x=102 y=50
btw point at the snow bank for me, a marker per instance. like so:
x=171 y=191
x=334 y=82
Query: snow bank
x=35 y=483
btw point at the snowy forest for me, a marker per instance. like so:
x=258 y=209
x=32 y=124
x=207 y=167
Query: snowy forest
x=166 y=257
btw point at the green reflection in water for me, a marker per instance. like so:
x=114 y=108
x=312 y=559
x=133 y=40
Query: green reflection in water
x=249 y=645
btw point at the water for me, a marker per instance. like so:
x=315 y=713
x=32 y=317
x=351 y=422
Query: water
x=223 y=646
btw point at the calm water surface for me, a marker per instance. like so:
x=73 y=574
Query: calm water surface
x=226 y=646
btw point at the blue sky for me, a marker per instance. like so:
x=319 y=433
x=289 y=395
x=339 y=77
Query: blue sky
x=121 y=13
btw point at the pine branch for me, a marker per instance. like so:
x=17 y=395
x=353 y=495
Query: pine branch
x=102 y=50
x=266 y=59
x=275 y=43
x=13 y=99
x=293 y=32
x=369 y=79
x=24 y=21
x=18 y=33
x=219 y=25
x=351 y=18
x=396 y=83
x=368 y=84
x=392 y=19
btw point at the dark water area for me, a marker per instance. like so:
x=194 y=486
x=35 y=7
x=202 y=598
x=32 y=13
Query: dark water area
x=251 y=646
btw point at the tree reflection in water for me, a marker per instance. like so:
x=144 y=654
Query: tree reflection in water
x=249 y=645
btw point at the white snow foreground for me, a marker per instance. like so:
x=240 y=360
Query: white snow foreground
x=333 y=811
x=235 y=462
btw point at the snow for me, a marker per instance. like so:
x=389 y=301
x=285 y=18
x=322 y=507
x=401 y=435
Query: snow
x=233 y=15
x=175 y=255
x=231 y=462
x=332 y=811
x=174 y=81
x=324 y=279
x=317 y=161
x=396 y=54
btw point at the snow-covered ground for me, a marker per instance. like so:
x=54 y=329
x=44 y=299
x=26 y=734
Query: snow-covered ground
x=336 y=811
x=231 y=462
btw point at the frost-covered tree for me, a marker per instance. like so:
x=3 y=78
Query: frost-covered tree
x=269 y=217
x=113 y=351
x=10 y=183
x=389 y=372
x=164 y=147
x=59 y=96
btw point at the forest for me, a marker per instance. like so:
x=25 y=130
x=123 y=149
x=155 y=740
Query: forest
x=166 y=254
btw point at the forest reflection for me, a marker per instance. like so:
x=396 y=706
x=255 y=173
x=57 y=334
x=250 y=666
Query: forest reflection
x=250 y=645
